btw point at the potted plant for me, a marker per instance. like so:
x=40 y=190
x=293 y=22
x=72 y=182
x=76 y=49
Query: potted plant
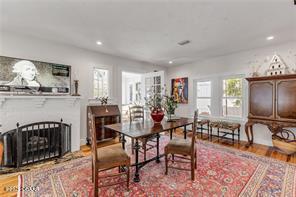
x=154 y=102
x=169 y=105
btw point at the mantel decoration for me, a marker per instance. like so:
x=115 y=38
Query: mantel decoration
x=76 y=88
x=154 y=102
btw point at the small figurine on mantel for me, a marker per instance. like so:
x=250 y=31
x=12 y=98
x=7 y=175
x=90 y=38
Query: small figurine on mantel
x=75 y=88
x=277 y=67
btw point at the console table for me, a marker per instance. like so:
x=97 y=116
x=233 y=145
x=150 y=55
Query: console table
x=272 y=102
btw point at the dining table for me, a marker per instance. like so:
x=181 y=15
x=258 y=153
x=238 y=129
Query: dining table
x=146 y=129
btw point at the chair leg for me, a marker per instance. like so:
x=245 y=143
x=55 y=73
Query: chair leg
x=133 y=142
x=195 y=155
x=119 y=169
x=127 y=177
x=96 y=179
x=192 y=167
x=166 y=164
x=92 y=171
x=173 y=158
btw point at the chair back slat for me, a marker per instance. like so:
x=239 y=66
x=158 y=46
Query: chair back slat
x=93 y=138
x=136 y=112
x=195 y=119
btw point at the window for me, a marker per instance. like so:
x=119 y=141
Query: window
x=232 y=97
x=101 y=79
x=203 y=99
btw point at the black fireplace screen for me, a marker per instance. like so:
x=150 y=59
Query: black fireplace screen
x=36 y=142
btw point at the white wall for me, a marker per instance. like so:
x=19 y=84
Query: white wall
x=81 y=60
x=238 y=63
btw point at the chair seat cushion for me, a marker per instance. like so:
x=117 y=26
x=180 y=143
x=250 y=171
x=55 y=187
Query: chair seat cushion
x=179 y=146
x=112 y=156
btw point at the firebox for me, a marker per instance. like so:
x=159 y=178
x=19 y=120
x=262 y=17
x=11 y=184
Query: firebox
x=36 y=142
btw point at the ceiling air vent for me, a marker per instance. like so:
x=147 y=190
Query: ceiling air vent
x=184 y=42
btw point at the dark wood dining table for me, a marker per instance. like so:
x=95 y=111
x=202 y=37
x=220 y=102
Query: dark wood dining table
x=137 y=130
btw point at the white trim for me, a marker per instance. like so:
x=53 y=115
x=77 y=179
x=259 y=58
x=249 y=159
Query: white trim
x=109 y=76
x=217 y=95
x=82 y=141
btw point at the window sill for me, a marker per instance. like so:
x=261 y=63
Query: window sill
x=231 y=119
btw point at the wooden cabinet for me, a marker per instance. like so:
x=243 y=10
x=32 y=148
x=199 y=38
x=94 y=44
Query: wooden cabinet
x=104 y=115
x=272 y=102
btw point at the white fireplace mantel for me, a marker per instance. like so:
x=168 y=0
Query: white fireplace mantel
x=26 y=109
x=38 y=101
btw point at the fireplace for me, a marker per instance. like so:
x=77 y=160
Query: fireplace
x=36 y=142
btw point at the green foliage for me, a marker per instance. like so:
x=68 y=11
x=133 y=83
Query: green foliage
x=169 y=104
x=233 y=87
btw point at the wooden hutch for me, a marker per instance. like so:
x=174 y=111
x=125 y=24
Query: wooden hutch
x=272 y=102
x=104 y=115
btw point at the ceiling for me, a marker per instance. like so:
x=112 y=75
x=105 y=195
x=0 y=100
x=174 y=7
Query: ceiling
x=149 y=30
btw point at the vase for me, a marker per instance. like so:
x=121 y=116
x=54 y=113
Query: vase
x=169 y=116
x=157 y=116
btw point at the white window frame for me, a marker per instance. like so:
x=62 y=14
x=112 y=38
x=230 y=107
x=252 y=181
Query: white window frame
x=196 y=96
x=108 y=83
x=242 y=97
x=217 y=96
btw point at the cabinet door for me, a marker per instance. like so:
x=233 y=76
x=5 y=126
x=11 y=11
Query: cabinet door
x=261 y=99
x=286 y=100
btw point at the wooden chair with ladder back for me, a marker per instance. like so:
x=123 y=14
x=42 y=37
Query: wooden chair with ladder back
x=183 y=149
x=107 y=158
x=137 y=113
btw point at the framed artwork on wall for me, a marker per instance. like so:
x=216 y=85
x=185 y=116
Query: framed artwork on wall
x=23 y=76
x=179 y=90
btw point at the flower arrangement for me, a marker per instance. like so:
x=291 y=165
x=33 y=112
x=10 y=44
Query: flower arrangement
x=169 y=105
x=159 y=103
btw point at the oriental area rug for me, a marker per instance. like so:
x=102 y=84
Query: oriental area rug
x=221 y=171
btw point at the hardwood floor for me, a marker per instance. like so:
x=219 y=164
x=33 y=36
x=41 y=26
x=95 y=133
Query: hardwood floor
x=8 y=181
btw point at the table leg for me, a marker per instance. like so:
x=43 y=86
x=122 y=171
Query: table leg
x=171 y=134
x=211 y=131
x=208 y=125
x=137 y=147
x=238 y=135
x=185 y=132
x=201 y=130
x=157 y=148
x=122 y=140
x=218 y=134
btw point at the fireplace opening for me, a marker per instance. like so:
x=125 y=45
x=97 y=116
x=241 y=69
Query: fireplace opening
x=36 y=142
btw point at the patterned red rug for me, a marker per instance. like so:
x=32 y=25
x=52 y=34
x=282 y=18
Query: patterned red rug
x=221 y=171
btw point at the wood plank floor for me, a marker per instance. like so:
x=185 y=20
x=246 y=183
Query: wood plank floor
x=8 y=181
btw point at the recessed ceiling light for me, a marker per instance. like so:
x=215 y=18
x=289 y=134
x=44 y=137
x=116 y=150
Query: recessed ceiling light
x=99 y=43
x=170 y=62
x=270 y=38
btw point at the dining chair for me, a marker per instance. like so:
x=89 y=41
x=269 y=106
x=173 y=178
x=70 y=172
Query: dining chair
x=137 y=113
x=107 y=158
x=184 y=149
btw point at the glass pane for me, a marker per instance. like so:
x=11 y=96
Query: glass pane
x=232 y=107
x=204 y=89
x=232 y=87
x=100 y=82
x=204 y=106
x=157 y=80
